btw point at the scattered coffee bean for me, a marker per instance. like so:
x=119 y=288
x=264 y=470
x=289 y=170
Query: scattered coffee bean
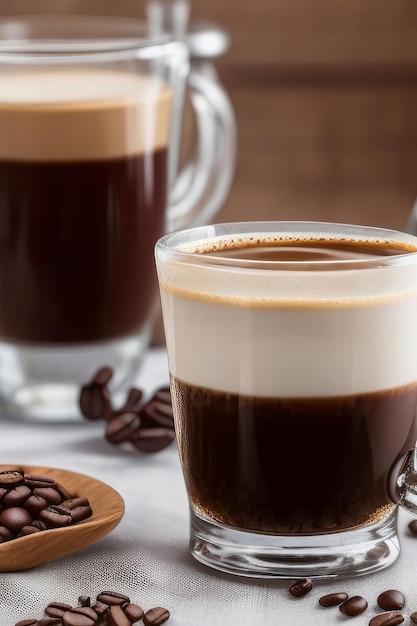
x=333 y=599
x=412 y=526
x=391 y=600
x=156 y=616
x=301 y=587
x=387 y=619
x=113 y=597
x=413 y=618
x=353 y=606
x=111 y=608
x=149 y=427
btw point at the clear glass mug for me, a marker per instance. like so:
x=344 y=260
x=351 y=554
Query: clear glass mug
x=293 y=364
x=90 y=130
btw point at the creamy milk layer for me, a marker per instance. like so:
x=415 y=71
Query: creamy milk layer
x=269 y=334
x=79 y=115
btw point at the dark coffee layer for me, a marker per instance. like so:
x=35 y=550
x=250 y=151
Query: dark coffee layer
x=76 y=253
x=292 y=466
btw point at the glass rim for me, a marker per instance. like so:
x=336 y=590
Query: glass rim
x=180 y=246
x=31 y=38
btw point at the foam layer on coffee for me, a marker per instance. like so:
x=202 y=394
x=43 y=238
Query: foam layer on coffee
x=79 y=115
x=263 y=333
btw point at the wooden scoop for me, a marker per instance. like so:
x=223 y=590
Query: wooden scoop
x=47 y=545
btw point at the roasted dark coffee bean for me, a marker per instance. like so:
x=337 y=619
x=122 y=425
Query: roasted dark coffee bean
x=113 y=597
x=39 y=481
x=157 y=413
x=5 y=534
x=134 y=613
x=100 y=608
x=152 y=439
x=353 y=606
x=73 y=503
x=37 y=523
x=27 y=622
x=156 y=616
x=391 y=600
x=17 y=496
x=55 y=516
x=333 y=599
x=14 y=518
x=57 y=609
x=95 y=402
x=28 y=530
x=50 y=494
x=133 y=402
x=11 y=478
x=80 y=616
x=301 y=587
x=413 y=618
x=80 y=513
x=387 y=619
x=412 y=526
x=120 y=428
x=103 y=376
x=35 y=504
x=117 y=617
x=49 y=621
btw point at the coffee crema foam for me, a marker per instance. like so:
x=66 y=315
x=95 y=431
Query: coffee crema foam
x=48 y=115
x=263 y=333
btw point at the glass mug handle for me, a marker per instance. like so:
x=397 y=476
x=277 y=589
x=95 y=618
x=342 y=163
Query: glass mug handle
x=201 y=188
x=402 y=486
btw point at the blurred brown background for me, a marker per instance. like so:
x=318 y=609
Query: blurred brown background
x=325 y=95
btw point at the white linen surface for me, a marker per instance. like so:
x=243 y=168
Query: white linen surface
x=147 y=557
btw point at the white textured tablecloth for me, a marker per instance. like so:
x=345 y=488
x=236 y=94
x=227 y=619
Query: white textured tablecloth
x=147 y=557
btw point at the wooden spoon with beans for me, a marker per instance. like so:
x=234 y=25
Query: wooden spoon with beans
x=31 y=550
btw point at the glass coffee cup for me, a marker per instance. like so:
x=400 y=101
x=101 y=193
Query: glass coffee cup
x=293 y=364
x=90 y=131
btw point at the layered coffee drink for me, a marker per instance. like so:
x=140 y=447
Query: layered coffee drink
x=294 y=382
x=83 y=185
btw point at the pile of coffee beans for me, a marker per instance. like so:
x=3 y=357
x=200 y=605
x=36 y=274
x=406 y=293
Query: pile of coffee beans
x=30 y=504
x=110 y=608
x=148 y=427
x=391 y=602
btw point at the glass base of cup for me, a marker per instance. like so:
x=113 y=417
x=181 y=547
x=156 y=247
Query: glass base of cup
x=343 y=554
x=42 y=383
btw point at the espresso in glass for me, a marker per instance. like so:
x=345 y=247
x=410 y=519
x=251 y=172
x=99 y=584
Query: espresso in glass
x=82 y=201
x=294 y=379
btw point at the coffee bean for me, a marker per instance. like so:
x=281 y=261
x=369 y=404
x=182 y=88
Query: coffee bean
x=35 y=504
x=28 y=530
x=49 y=621
x=80 y=616
x=134 y=613
x=391 y=600
x=95 y=402
x=113 y=597
x=39 y=481
x=50 y=494
x=413 y=618
x=14 y=518
x=5 y=534
x=412 y=526
x=353 y=606
x=333 y=599
x=152 y=439
x=57 y=609
x=156 y=616
x=387 y=619
x=55 y=516
x=157 y=413
x=11 y=478
x=103 y=376
x=120 y=428
x=301 y=587
x=37 y=523
x=133 y=401
x=17 y=496
x=27 y=622
x=117 y=617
